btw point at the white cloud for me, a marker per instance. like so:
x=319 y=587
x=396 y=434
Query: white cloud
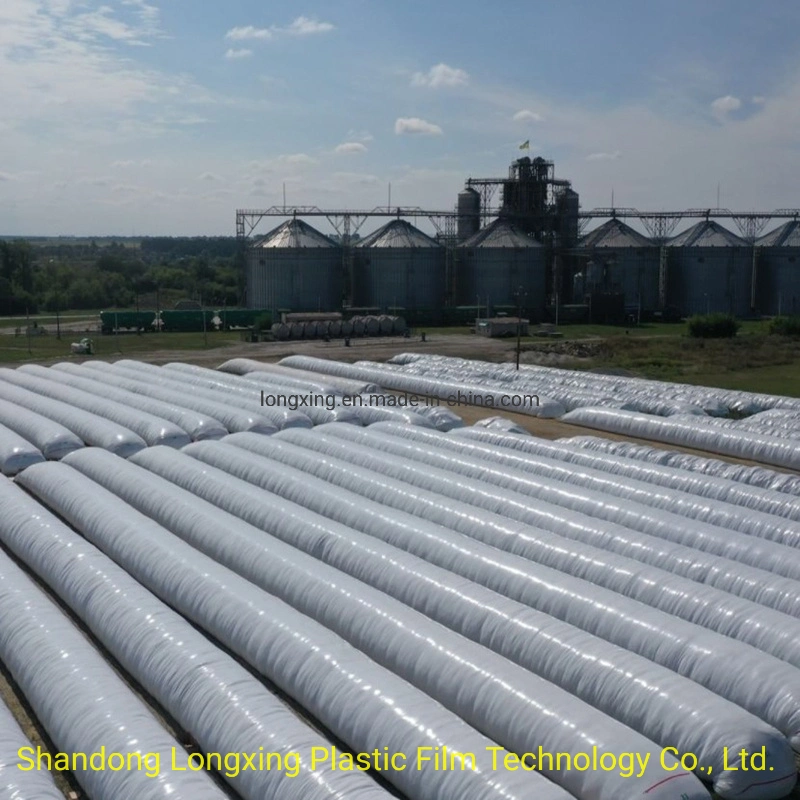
x=359 y=136
x=247 y=33
x=351 y=147
x=440 y=76
x=235 y=54
x=415 y=125
x=758 y=100
x=723 y=106
x=298 y=159
x=527 y=116
x=603 y=156
x=209 y=177
x=306 y=26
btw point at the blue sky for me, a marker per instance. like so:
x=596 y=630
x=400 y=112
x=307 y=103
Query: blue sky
x=164 y=116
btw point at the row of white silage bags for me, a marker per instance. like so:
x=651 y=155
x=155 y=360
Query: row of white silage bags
x=196 y=426
x=81 y=701
x=649 y=698
x=507 y=703
x=149 y=373
x=720 y=528
x=448 y=533
x=232 y=419
x=16 y=453
x=87 y=427
x=455 y=391
x=189 y=677
x=748 y=480
x=688 y=433
x=154 y=430
x=361 y=703
x=16 y=784
x=639 y=394
x=52 y=439
x=319 y=404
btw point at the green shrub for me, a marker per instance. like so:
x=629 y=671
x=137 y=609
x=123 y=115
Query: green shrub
x=263 y=323
x=713 y=326
x=785 y=326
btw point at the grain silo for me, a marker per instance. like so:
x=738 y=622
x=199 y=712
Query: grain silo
x=296 y=268
x=496 y=262
x=709 y=269
x=400 y=267
x=778 y=270
x=625 y=261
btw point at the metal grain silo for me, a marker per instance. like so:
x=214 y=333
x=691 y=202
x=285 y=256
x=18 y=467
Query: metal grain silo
x=398 y=266
x=469 y=214
x=294 y=267
x=626 y=262
x=778 y=270
x=494 y=263
x=709 y=270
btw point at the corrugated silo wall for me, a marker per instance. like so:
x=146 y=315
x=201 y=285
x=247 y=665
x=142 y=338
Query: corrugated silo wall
x=634 y=273
x=496 y=273
x=299 y=279
x=778 y=280
x=710 y=279
x=411 y=278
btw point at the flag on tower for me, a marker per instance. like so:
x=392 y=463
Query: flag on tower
x=526 y=145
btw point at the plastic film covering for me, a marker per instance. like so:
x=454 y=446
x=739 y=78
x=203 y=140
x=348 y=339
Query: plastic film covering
x=286 y=376
x=363 y=704
x=730 y=668
x=280 y=417
x=756 y=477
x=191 y=678
x=472 y=393
x=318 y=405
x=234 y=420
x=443 y=419
x=723 y=502
x=91 y=429
x=769 y=630
x=649 y=698
x=15 y=784
x=590 y=389
x=506 y=702
x=655 y=511
x=81 y=701
x=53 y=440
x=154 y=430
x=197 y=426
x=243 y=366
x=16 y=453
x=502 y=424
x=741 y=444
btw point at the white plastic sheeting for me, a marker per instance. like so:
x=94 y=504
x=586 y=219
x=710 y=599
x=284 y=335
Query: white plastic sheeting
x=455 y=391
x=15 y=784
x=234 y=420
x=197 y=426
x=189 y=677
x=244 y=366
x=81 y=701
x=648 y=508
x=649 y=698
x=702 y=655
x=16 y=453
x=506 y=702
x=90 y=428
x=502 y=424
x=756 y=477
x=154 y=430
x=319 y=406
x=712 y=607
x=443 y=419
x=741 y=444
x=280 y=417
x=53 y=440
x=362 y=703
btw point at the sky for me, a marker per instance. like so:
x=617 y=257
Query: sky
x=162 y=117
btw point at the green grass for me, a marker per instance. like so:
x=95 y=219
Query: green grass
x=14 y=349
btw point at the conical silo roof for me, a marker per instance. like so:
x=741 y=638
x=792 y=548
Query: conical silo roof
x=500 y=233
x=787 y=235
x=706 y=233
x=295 y=233
x=615 y=233
x=398 y=233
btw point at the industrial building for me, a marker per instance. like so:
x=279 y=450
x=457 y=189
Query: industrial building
x=522 y=238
